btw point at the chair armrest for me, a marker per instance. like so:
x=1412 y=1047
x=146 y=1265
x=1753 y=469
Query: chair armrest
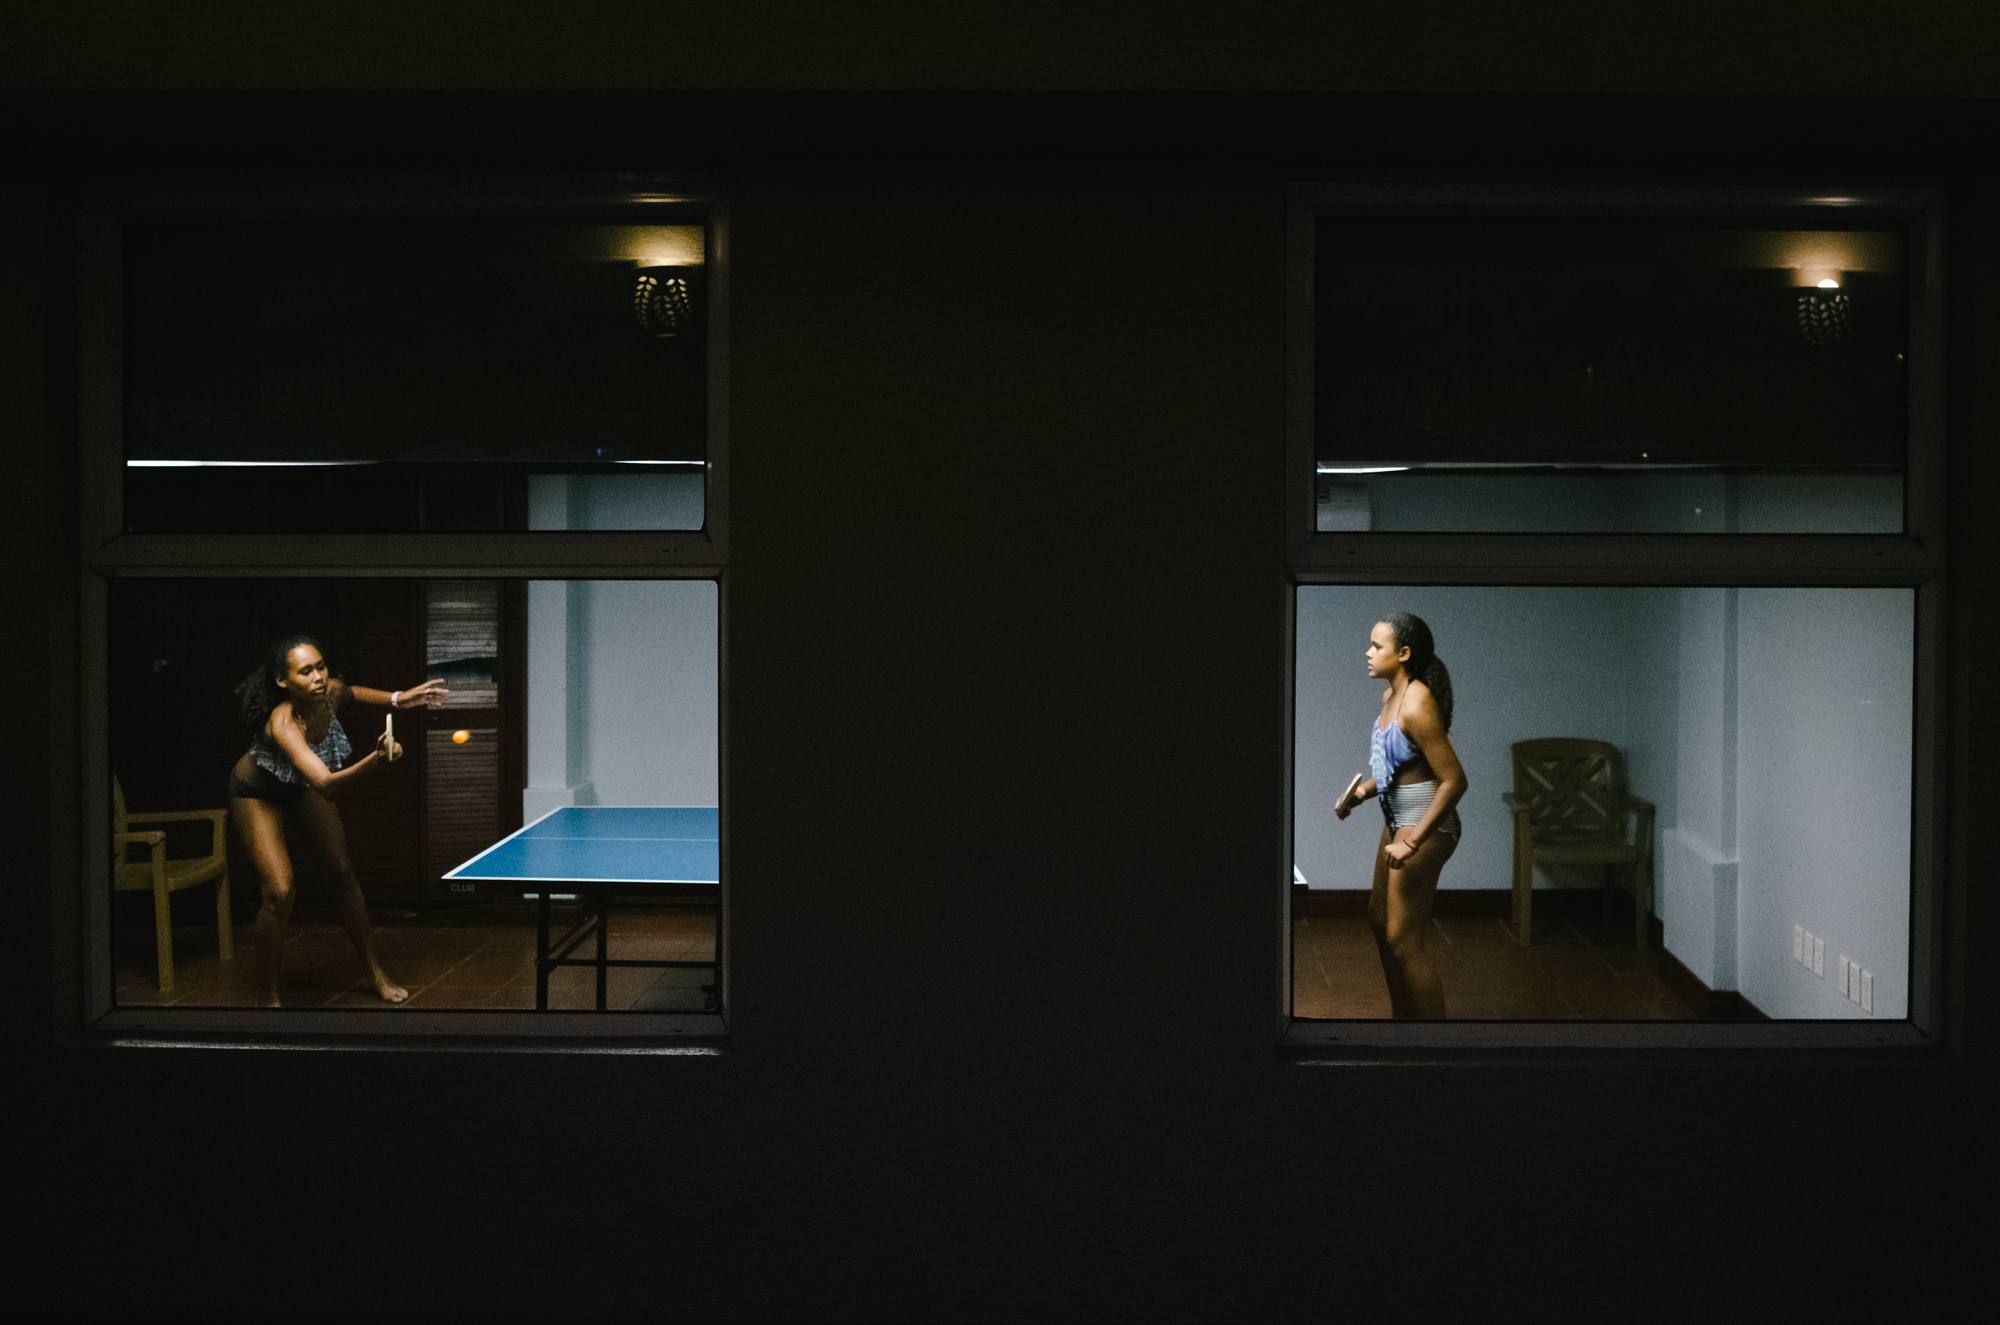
x=156 y=841
x=216 y=819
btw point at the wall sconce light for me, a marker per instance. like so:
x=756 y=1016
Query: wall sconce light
x=663 y=301
x=1826 y=316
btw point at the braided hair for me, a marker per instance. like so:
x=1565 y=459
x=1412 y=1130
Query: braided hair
x=1411 y=633
x=261 y=691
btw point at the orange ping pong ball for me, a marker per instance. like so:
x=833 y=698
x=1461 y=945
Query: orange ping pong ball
x=460 y=737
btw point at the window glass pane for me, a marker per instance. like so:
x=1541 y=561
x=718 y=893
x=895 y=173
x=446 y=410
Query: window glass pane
x=387 y=376
x=1766 y=733
x=1572 y=375
x=574 y=759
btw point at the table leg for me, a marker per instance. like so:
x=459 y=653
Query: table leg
x=542 y=953
x=603 y=950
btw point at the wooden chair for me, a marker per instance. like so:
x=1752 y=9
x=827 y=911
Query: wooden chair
x=1570 y=808
x=165 y=877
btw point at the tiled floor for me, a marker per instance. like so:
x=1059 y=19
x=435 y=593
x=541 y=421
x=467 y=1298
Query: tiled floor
x=445 y=960
x=1576 y=969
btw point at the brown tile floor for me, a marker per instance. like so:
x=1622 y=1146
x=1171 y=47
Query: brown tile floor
x=445 y=960
x=1576 y=969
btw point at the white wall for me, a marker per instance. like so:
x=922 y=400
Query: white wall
x=1696 y=867
x=622 y=694
x=623 y=675
x=1634 y=501
x=1824 y=755
x=632 y=498
x=651 y=725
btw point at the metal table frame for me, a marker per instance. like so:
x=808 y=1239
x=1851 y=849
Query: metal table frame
x=594 y=920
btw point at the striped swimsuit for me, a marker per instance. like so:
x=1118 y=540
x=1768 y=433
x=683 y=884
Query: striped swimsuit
x=1405 y=805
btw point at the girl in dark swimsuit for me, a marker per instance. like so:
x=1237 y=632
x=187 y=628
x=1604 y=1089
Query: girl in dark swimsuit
x=285 y=785
x=1420 y=780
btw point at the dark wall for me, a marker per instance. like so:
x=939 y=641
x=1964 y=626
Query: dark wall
x=1006 y=650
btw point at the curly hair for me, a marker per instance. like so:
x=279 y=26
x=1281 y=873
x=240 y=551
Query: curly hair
x=1413 y=634
x=261 y=691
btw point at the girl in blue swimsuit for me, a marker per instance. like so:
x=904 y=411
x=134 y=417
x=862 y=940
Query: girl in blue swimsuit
x=283 y=788
x=1419 y=780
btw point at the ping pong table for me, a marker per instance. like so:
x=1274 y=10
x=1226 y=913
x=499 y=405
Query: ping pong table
x=598 y=853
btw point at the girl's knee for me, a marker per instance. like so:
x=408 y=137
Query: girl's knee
x=1404 y=943
x=279 y=895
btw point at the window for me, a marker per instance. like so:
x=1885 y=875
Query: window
x=1610 y=375
x=469 y=437
x=1635 y=459
x=391 y=375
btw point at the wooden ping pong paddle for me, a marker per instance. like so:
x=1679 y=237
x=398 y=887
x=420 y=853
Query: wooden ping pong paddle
x=1350 y=787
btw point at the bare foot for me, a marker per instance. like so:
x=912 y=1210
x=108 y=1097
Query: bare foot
x=390 y=991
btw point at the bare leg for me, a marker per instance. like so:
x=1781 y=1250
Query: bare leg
x=1399 y=913
x=319 y=822
x=260 y=829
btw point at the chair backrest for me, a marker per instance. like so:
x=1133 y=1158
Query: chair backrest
x=1570 y=786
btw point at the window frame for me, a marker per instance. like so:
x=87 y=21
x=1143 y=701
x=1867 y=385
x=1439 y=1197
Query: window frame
x=86 y=996
x=1914 y=559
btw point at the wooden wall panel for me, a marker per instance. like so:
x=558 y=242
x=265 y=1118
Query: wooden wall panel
x=461 y=797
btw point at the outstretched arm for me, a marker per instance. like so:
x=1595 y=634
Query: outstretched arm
x=1426 y=731
x=428 y=695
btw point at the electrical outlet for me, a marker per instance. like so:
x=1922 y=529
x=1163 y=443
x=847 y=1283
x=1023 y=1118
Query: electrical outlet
x=1819 y=958
x=1868 y=992
x=1843 y=974
x=1798 y=942
x=1854 y=983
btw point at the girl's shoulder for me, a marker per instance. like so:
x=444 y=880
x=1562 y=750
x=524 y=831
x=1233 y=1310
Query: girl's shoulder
x=267 y=735
x=1420 y=703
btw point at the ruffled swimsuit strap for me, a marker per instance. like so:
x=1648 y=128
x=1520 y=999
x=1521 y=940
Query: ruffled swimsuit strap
x=333 y=750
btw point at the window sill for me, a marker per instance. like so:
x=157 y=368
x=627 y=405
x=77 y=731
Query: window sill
x=692 y=1033
x=1332 y=1042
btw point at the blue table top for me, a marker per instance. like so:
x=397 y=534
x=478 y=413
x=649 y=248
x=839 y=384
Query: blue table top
x=606 y=844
